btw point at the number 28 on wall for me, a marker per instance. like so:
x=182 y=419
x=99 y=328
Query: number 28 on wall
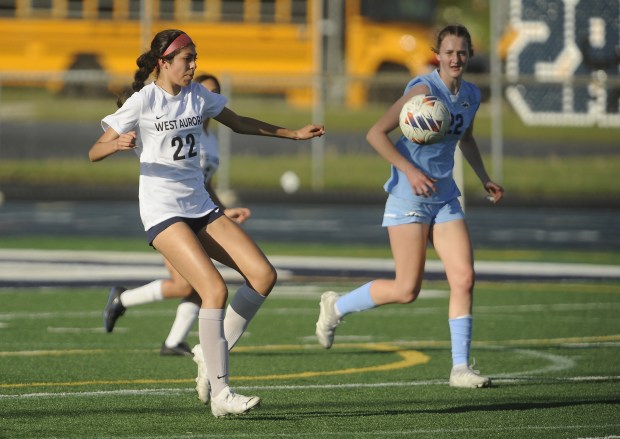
x=571 y=50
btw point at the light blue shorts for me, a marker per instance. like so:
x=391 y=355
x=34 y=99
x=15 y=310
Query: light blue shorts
x=400 y=211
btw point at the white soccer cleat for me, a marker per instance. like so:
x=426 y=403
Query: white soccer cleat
x=328 y=319
x=465 y=376
x=228 y=403
x=203 y=387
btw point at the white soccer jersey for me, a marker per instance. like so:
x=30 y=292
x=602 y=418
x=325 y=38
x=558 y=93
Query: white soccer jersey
x=169 y=128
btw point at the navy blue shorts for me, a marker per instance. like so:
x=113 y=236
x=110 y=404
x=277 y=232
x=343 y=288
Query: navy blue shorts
x=196 y=224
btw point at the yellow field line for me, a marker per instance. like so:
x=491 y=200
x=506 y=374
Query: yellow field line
x=290 y=347
x=408 y=358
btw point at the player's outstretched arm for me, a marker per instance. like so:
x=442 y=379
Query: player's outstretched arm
x=248 y=125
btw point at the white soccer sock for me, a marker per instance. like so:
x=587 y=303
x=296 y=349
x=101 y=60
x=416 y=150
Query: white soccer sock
x=186 y=315
x=145 y=294
x=214 y=347
x=242 y=308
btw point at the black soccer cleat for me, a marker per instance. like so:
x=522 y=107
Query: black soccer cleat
x=113 y=309
x=182 y=349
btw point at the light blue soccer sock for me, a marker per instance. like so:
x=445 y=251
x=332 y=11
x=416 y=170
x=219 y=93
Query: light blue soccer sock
x=460 y=333
x=355 y=301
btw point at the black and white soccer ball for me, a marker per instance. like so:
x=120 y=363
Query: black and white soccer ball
x=424 y=119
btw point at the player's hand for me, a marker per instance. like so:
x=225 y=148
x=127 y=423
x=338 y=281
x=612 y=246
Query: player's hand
x=238 y=214
x=421 y=184
x=495 y=191
x=126 y=141
x=309 y=131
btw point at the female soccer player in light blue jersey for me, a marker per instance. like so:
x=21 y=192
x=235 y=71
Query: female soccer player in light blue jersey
x=423 y=205
x=180 y=219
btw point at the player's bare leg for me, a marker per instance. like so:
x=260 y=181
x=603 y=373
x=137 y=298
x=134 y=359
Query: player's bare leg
x=453 y=245
x=184 y=251
x=408 y=243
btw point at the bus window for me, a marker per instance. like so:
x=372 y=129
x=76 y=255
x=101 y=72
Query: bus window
x=106 y=9
x=399 y=10
x=299 y=12
x=166 y=10
x=267 y=11
x=232 y=10
x=74 y=9
x=41 y=8
x=134 y=9
x=197 y=7
x=7 y=8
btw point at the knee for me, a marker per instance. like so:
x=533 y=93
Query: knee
x=215 y=301
x=273 y=275
x=213 y=295
x=178 y=287
x=263 y=278
x=270 y=276
x=464 y=282
x=185 y=289
x=406 y=294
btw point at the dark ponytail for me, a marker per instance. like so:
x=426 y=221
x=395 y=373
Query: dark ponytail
x=148 y=61
x=123 y=96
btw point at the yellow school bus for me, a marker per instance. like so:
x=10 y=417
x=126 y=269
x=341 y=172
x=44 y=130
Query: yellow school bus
x=257 y=44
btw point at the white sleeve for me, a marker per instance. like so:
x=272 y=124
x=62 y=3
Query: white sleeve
x=126 y=118
x=214 y=103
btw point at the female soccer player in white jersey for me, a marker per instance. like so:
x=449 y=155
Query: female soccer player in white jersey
x=180 y=219
x=175 y=286
x=422 y=205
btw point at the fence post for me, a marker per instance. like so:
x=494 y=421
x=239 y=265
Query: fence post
x=497 y=145
x=224 y=136
x=318 y=97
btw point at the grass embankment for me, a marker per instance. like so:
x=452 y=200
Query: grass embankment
x=527 y=177
x=550 y=176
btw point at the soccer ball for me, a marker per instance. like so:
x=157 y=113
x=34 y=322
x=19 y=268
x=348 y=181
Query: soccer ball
x=424 y=119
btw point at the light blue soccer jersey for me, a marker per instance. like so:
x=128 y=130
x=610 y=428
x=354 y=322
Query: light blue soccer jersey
x=437 y=160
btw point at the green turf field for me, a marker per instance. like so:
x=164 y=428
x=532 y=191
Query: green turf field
x=553 y=351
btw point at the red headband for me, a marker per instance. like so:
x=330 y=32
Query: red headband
x=178 y=43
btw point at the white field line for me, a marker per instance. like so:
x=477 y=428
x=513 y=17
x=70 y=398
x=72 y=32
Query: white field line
x=304 y=310
x=175 y=391
x=297 y=292
x=422 y=432
x=15 y=262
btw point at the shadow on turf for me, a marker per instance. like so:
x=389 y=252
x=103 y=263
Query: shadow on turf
x=337 y=411
x=47 y=412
